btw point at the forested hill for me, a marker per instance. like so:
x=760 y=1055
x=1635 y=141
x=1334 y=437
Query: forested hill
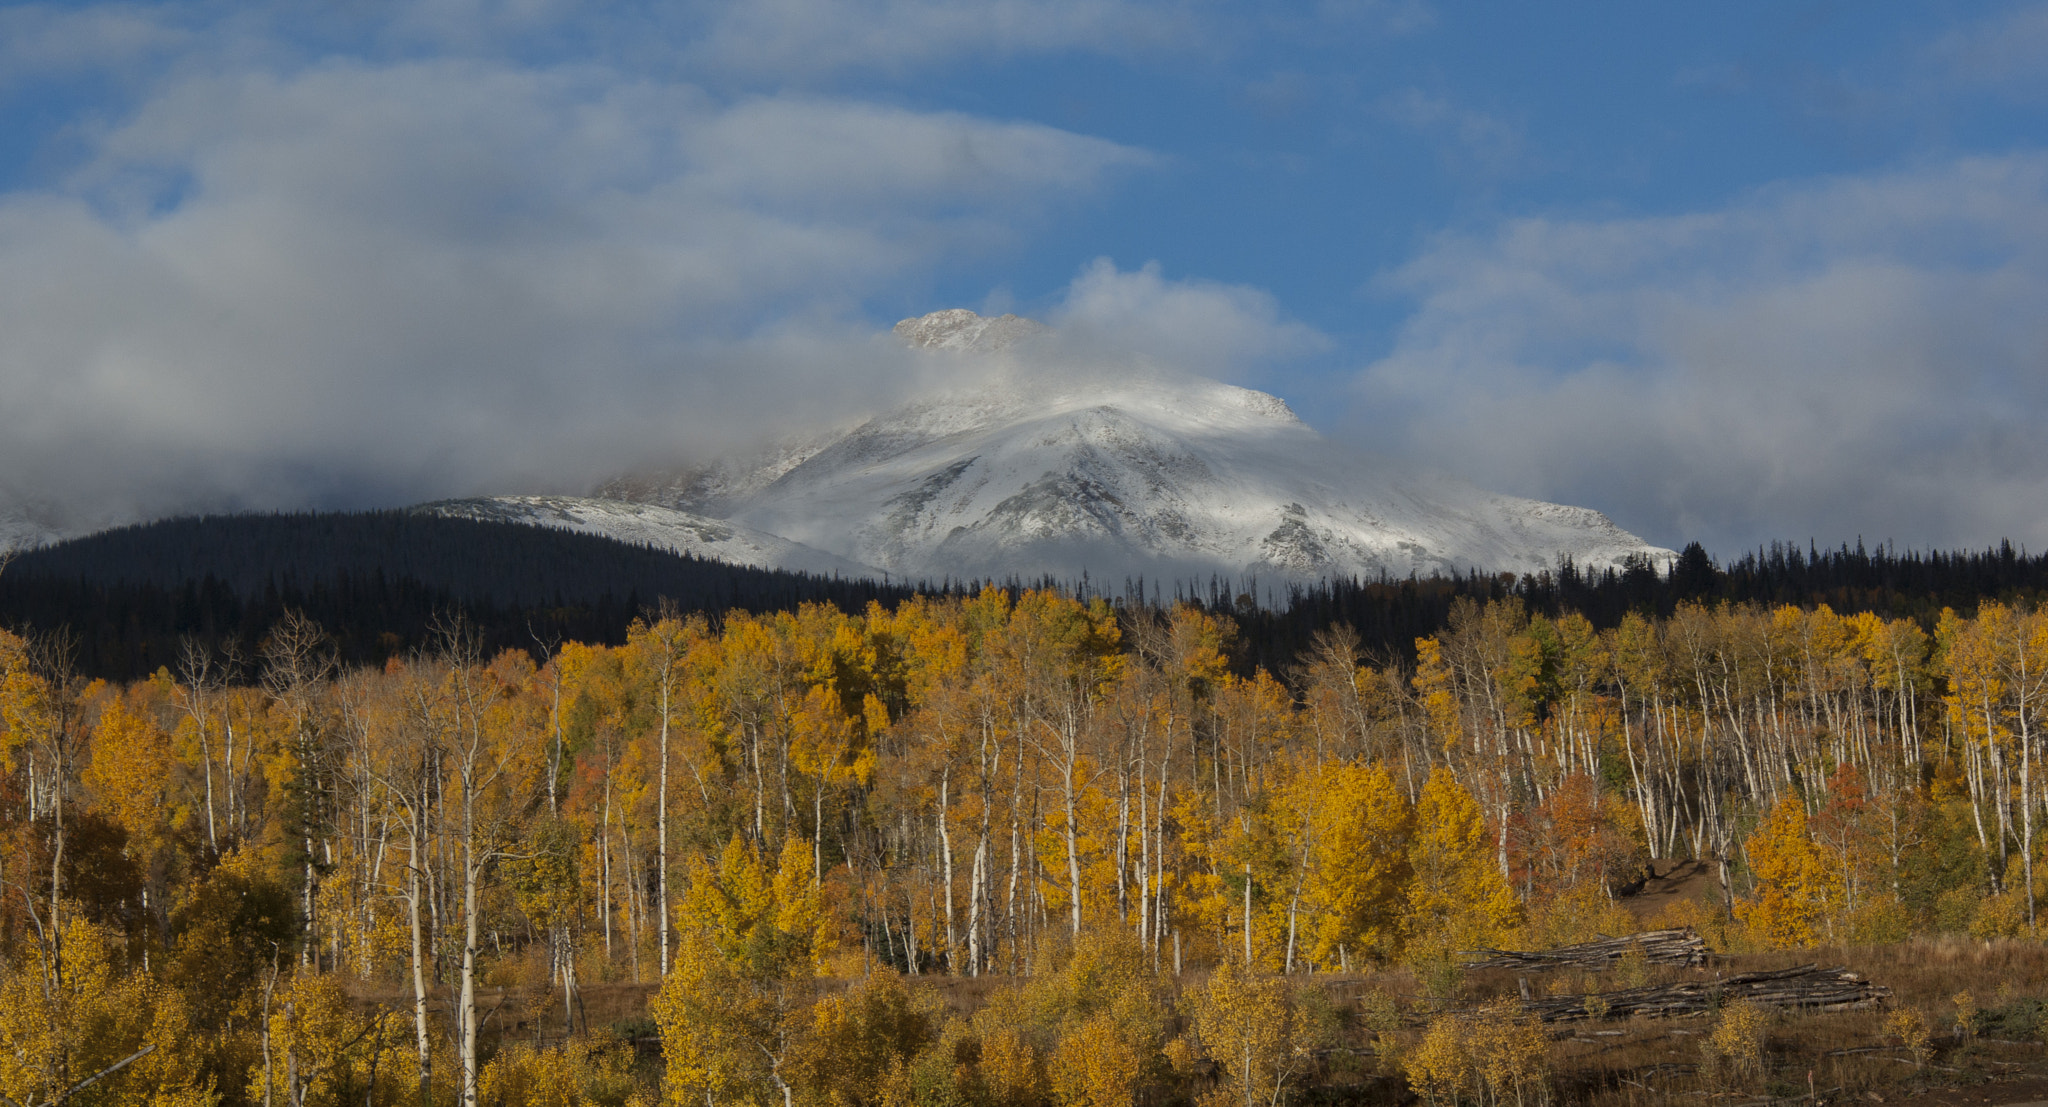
x=374 y=580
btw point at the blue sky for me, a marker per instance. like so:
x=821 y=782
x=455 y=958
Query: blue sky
x=1730 y=272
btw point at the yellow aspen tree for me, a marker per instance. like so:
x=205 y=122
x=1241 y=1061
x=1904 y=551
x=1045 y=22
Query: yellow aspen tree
x=486 y=755
x=858 y=1039
x=1095 y=1065
x=316 y=1041
x=1457 y=899
x=20 y=691
x=1971 y=659
x=129 y=772
x=1795 y=884
x=658 y=650
x=724 y=1034
x=1262 y=1034
x=1074 y=660
x=1436 y=686
x=833 y=748
x=592 y=1071
x=92 y=1022
x=732 y=1011
x=1360 y=866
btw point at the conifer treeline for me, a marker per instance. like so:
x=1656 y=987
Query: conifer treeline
x=1389 y=615
x=377 y=580
x=1017 y=784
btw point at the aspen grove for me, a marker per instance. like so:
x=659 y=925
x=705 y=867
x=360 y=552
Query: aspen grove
x=272 y=879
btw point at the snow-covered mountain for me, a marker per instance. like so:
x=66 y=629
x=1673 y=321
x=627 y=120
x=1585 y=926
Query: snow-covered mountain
x=1133 y=476
x=26 y=526
x=654 y=525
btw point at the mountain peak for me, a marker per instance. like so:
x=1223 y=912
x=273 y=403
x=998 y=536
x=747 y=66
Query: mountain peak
x=961 y=329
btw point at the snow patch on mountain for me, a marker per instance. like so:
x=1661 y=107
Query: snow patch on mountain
x=653 y=525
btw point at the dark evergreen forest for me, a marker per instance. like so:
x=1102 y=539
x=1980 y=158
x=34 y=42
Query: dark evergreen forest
x=376 y=581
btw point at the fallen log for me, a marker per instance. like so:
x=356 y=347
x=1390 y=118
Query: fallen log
x=1806 y=988
x=1658 y=947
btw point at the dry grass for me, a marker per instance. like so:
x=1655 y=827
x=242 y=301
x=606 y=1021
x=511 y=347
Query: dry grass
x=1836 y=1057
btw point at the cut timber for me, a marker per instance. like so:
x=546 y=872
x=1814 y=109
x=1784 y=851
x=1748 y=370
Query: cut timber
x=1807 y=988
x=1658 y=947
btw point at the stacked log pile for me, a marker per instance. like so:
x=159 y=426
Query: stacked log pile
x=1658 y=947
x=1808 y=988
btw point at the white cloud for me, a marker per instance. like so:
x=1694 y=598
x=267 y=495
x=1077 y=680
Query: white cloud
x=356 y=281
x=1204 y=327
x=1860 y=356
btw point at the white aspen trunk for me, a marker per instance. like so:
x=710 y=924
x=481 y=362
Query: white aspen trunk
x=568 y=981
x=946 y=871
x=976 y=917
x=1159 y=862
x=661 y=826
x=1072 y=836
x=760 y=789
x=206 y=756
x=604 y=895
x=2023 y=709
x=981 y=911
x=634 y=914
x=1010 y=892
x=466 y=1013
x=422 y=1034
x=910 y=929
x=1123 y=837
x=1145 y=936
x=1292 y=908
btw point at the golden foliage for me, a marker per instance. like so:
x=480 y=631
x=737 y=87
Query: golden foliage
x=1910 y=1027
x=1736 y=1045
x=1795 y=887
x=1262 y=1033
x=1512 y=1056
x=1458 y=899
x=69 y=1010
x=860 y=1038
x=1097 y=1065
x=1439 y=1069
x=1361 y=826
x=594 y=1071
x=1009 y=1071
